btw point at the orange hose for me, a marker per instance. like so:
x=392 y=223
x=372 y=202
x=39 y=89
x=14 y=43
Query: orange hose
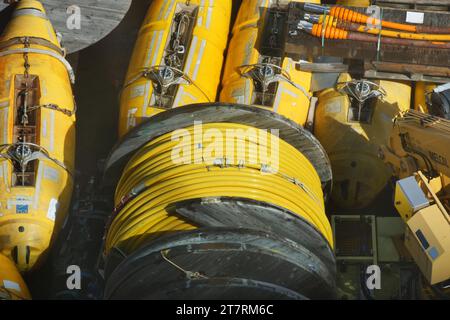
x=352 y=26
x=335 y=33
x=330 y=32
x=353 y=16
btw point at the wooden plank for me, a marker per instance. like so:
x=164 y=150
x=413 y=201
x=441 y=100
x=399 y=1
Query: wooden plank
x=98 y=19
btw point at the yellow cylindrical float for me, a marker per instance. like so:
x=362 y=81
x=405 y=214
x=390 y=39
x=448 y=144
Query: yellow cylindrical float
x=257 y=72
x=219 y=200
x=177 y=59
x=37 y=135
x=12 y=286
x=351 y=122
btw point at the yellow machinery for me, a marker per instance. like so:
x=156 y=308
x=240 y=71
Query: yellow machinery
x=12 y=286
x=37 y=135
x=354 y=3
x=177 y=59
x=419 y=153
x=351 y=121
x=433 y=99
x=209 y=195
x=257 y=72
x=421 y=91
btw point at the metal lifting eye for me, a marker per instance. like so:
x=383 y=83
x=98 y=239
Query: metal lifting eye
x=266 y=71
x=23 y=152
x=166 y=74
x=361 y=90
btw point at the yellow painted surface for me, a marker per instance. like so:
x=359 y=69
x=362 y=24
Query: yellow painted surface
x=358 y=174
x=354 y=3
x=47 y=201
x=203 y=64
x=12 y=286
x=289 y=100
x=420 y=92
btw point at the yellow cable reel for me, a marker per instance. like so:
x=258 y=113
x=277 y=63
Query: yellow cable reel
x=212 y=182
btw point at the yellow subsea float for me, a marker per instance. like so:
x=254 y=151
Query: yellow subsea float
x=351 y=122
x=37 y=135
x=257 y=72
x=177 y=59
x=12 y=286
x=208 y=195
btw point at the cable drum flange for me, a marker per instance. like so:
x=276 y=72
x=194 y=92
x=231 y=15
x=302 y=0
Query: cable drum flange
x=218 y=256
x=180 y=118
x=256 y=215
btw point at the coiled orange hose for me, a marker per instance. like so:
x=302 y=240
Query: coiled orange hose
x=330 y=32
x=351 y=26
x=353 y=16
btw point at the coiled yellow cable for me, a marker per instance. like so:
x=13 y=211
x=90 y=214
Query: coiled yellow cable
x=158 y=182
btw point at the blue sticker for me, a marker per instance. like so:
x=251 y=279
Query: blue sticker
x=21 y=208
x=433 y=253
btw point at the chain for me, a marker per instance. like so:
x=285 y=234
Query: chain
x=26 y=43
x=54 y=107
x=57 y=108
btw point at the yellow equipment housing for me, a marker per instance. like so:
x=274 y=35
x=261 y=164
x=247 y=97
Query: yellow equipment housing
x=37 y=135
x=427 y=236
x=257 y=72
x=12 y=286
x=351 y=132
x=177 y=59
x=420 y=142
x=420 y=93
x=354 y=3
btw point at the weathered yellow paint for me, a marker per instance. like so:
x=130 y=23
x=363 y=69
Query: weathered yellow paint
x=420 y=92
x=203 y=64
x=354 y=3
x=26 y=236
x=289 y=101
x=12 y=286
x=353 y=147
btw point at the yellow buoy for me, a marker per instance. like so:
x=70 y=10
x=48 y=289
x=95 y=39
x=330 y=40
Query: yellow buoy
x=12 y=286
x=257 y=72
x=37 y=135
x=177 y=59
x=351 y=122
